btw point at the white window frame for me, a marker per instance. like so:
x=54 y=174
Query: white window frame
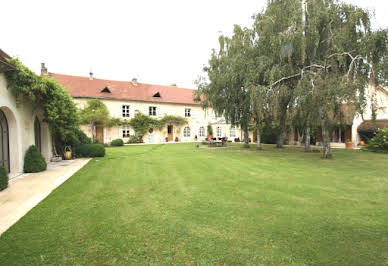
x=186 y=132
x=232 y=130
x=219 y=132
x=125 y=111
x=152 y=111
x=187 y=112
x=201 y=132
x=125 y=132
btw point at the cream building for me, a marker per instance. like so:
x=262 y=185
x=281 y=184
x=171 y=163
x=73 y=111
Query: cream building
x=21 y=126
x=377 y=96
x=123 y=99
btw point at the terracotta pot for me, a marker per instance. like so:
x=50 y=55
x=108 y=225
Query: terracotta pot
x=209 y=136
x=349 y=145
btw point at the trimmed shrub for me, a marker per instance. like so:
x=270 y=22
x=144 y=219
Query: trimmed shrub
x=3 y=178
x=380 y=142
x=135 y=139
x=117 y=142
x=91 y=150
x=34 y=161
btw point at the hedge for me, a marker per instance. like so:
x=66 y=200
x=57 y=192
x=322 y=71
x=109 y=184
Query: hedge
x=91 y=150
x=34 y=161
x=3 y=178
x=117 y=142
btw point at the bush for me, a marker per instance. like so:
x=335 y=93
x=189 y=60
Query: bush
x=3 y=178
x=380 y=142
x=117 y=142
x=91 y=150
x=269 y=134
x=34 y=161
x=135 y=139
x=74 y=140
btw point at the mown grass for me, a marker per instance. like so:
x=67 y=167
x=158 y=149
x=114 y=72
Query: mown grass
x=176 y=204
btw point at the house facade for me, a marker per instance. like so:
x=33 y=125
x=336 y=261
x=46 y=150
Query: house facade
x=363 y=125
x=124 y=98
x=21 y=125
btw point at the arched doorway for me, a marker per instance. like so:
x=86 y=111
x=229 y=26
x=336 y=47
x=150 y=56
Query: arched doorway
x=4 y=142
x=38 y=138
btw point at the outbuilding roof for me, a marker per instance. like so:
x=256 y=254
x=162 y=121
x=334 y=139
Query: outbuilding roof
x=89 y=87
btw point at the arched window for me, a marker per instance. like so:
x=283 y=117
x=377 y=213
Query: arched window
x=37 y=134
x=202 y=131
x=186 y=132
x=4 y=142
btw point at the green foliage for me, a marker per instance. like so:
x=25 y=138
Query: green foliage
x=34 y=161
x=380 y=142
x=77 y=138
x=3 y=178
x=135 y=139
x=172 y=119
x=141 y=123
x=117 y=142
x=59 y=109
x=209 y=130
x=96 y=113
x=91 y=150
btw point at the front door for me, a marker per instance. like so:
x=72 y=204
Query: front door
x=100 y=134
x=4 y=142
x=170 y=132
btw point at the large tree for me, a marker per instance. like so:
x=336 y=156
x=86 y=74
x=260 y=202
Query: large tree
x=226 y=91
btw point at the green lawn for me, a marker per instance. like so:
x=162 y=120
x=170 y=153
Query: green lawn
x=176 y=204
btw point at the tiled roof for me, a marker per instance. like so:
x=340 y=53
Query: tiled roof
x=123 y=90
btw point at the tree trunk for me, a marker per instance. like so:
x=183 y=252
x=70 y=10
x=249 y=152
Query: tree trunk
x=282 y=131
x=307 y=147
x=259 y=146
x=246 y=137
x=326 y=141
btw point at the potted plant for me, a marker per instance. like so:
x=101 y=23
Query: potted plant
x=209 y=132
x=349 y=144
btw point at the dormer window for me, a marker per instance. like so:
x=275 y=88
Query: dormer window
x=157 y=95
x=105 y=90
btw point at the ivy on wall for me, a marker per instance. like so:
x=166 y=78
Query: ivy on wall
x=141 y=123
x=59 y=110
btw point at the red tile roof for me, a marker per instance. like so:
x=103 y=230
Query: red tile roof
x=123 y=90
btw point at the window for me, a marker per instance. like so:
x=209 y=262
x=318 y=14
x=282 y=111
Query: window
x=186 y=132
x=232 y=132
x=152 y=110
x=125 y=110
x=219 y=132
x=187 y=112
x=125 y=131
x=202 y=132
x=157 y=95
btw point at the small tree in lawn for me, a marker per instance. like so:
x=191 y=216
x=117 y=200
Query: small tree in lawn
x=96 y=114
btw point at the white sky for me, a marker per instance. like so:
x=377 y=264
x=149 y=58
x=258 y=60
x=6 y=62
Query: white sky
x=158 y=42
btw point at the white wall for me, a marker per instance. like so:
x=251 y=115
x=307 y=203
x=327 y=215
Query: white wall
x=382 y=110
x=21 y=117
x=199 y=118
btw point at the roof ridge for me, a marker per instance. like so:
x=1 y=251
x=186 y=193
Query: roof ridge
x=149 y=84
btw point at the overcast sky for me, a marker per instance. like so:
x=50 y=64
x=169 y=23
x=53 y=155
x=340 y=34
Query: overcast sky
x=158 y=42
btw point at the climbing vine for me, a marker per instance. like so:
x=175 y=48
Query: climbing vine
x=141 y=123
x=59 y=110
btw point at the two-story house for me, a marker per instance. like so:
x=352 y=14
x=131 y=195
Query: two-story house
x=124 y=98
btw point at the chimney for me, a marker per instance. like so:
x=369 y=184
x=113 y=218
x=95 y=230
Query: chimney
x=91 y=75
x=134 y=81
x=43 y=70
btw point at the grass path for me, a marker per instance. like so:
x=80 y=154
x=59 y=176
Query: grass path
x=175 y=204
